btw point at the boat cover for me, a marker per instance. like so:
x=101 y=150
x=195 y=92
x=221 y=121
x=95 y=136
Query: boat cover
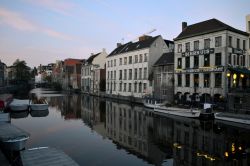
x=10 y=132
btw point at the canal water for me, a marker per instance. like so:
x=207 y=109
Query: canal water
x=96 y=131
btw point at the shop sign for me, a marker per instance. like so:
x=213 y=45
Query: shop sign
x=199 y=52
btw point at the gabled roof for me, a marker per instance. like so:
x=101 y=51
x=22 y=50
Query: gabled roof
x=133 y=46
x=168 y=42
x=165 y=59
x=91 y=58
x=205 y=27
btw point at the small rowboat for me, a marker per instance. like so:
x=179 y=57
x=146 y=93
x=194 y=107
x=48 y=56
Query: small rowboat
x=39 y=105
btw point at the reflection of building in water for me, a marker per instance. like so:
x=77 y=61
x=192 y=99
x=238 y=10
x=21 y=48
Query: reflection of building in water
x=129 y=127
x=69 y=105
x=93 y=113
x=198 y=143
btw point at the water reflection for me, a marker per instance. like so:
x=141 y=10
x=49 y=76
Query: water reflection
x=39 y=113
x=150 y=138
x=21 y=114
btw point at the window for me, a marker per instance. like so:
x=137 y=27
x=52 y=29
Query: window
x=206 y=80
x=120 y=61
x=206 y=43
x=230 y=41
x=108 y=75
x=196 y=61
x=187 y=47
x=238 y=43
x=111 y=75
x=145 y=73
x=179 y=48
x=120 y=74
x=234 y=60
x=120 y=87
x=140 y=87
x=187 y=60
x=179 y=66
x=114 y=74
x=217 y=80
x=114 y=86
x=107 y=86
x=135 y=87
x=125 y=87
x=140 y=60
x=196 y=80
x=243 y=60
x=218 y=41
x=140 y=73
x=136 y=58
x=130 y=74
x=135 y=75
x=179 y=80
x=144 y=87
x=218 y=59
x=187 y=80
x=125 y=74
x=196 y=45
x=145 y=57
x=130 y=60
x=129 y=87
x=206 y=60
x=108 y=63
x=229 y=58
x=125 y=60
x=238 y=59
x=244 y=44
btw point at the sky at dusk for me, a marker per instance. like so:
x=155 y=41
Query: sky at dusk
x=43 y=31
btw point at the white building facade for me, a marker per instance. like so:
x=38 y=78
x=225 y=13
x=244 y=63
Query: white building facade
x=204 y=52
x=130 y=66
x=93 y=72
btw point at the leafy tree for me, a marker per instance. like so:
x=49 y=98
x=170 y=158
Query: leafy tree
x=21 y=71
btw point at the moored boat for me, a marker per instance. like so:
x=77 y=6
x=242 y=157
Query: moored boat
x=39 y=104
x=19 y=105
x=5 y=100
x=235 y=118
x=12 y=138
x=189 y=113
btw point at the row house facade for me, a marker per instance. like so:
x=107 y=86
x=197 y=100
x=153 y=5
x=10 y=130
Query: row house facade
x=93 y=74
x=72 y=73
x=130 y=66
x=164 y=77
x=209 y=58
x=3 y=74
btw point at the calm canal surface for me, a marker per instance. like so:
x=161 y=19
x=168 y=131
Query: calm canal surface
x=94 y=131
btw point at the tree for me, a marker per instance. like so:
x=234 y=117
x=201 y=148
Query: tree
x=21 y=71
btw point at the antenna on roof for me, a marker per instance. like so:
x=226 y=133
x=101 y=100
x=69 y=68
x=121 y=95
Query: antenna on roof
x=147 y=33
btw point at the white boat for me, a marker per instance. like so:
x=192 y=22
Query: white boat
x=151 y=105
x=12 y=138
x=19 y=105
x=232 y=118
x=39 y=105
x=189 y=113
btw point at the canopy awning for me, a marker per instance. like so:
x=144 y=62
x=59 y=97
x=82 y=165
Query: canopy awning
x=239 y=70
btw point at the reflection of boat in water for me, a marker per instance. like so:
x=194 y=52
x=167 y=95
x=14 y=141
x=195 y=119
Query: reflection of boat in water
x=39 y=113
x=189 y=113
x=230 y=117
x=19 y=105
x=21 y=114
x=39 y=104
x=12 y=138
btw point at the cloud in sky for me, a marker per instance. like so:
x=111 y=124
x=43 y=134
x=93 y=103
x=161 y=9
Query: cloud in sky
x=58 y=6
x=17 y=21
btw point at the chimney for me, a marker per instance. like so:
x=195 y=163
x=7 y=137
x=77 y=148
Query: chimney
x=118 y=44
x=184 y=25
x=103 y=50
x=92 y=54
x=144 y=37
